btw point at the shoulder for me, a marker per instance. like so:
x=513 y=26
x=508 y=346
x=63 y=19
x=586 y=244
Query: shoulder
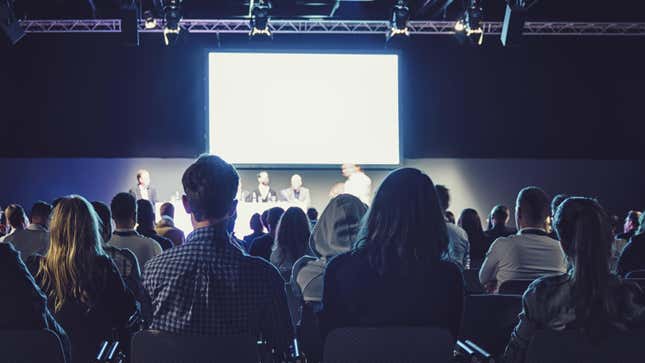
x=150 y=242
x=455 y=230
x=301 y=263
x=355 y=259
x=544 y=286
x=261 y=268
x=7 y=249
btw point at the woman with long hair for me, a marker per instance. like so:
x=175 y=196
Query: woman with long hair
x=85 y=291
x=588 y=297
x=470 y=222
x=396 y=275
x=291 y=240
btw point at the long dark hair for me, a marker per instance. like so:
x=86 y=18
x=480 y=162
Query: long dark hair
x=471 y=223
x=292 y=236
x=584 y=230
x=404 y=228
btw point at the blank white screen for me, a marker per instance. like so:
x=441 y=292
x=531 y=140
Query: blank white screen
x=280 y=109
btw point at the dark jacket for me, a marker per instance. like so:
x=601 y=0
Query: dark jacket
x=354 y=294
x=164 y=242
x=152 y=194
x=499 y=231
x=633 y=256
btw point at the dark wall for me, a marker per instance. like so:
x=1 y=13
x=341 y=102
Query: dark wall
x=554 y=97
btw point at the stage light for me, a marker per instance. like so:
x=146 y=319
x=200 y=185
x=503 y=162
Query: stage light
x=149 y=19
x=400 y=18
x=514 y=19
x=260 y=19
x=172 y=17
x=469 y=26
x=9 y=25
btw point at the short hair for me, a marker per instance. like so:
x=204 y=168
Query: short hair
x=145 y=213
x=167 y=209
x=500 y=213
x=534 y=204
x=273 y=218
x=556 y=201
x=15 y=214
x=210 y=184
x=312 y=214
x=40 y=209
x=124 y=207
x=140 y=172
x=105 y=219
x=443 y=194
x=256 y=223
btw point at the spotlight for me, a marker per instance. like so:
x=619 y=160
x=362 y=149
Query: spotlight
x=260 y=19
x=149 y=19
x=172 y=17
x=514 y=19
x=470 y=24
x=9 y=25
x=400 y=18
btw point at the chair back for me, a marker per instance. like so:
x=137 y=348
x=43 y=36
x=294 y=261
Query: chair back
x=388 y=344
x=471 y=282
x=549 y=346
x=30 y=346
x=514 y=287
x=489 y=320
x=150 y=346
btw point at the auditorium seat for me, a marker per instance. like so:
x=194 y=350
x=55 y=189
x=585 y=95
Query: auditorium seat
x=471 y=281
x=153 y=346
x=388 y=344
x=30 y=346
x=636 y=274
x=514 y=287
x=489 y=320
x=549 y=346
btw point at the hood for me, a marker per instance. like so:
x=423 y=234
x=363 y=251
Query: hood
x=337 y=226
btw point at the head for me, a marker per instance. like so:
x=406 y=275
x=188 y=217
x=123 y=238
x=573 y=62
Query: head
x=296 y=182
x=443 y=194
x=556 y=201
x=532 y=208
x=632 y=221
x=404 y=227
x=16 y=216
x=471 y=223
x=210 y=185
x=292 y=236
x=264 y=218
x=68 y=269
x=143 y=177
x=336 y=230
x=167 y=209
x=124 y=210
x=263 y=178
x=450 y=217
x=105 y=220
x=145 y=214
x=584 y=230
x=499 y=216
x=312 y=214
x=348 y=169
x=273 y=217
x=40 y=212
x=256 y=223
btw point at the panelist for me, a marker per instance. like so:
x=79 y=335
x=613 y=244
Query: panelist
x=143 y=189
x=296 y=193
x=263 y=193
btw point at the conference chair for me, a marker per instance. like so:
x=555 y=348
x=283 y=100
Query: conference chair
x=19 y=346
x=388 y=344
x=150 y=346
x=514 y=287
x=471 y=281
x=549 y=346
x=489 y=320
x=636 y=274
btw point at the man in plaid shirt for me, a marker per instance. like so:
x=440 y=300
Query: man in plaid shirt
x=207 y=286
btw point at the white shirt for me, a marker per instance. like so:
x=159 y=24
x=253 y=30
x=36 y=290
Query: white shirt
x=145 y=193
x=529 y=254
x=359 y=185
x=34 y=240
x=143 y=247
x=458 y=245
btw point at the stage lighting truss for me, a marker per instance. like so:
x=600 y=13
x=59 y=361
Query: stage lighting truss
x=172 y=18
x=260 y=17
x=237 y=26
x=400 y=19
x=470 y=24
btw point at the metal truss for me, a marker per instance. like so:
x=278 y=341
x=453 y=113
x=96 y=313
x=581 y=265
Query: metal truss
x=237 y=26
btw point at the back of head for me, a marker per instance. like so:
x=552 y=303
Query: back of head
x=405 y=228
x=292 y=236
x=556 y=201
x=532 y=208
x=471 y=223
x=210 y=184
x=145 y=213
x=338 y=226
x=273 y=217
x=499 y=215
x=40 y=212
x=16 y=216
x=312 y=214
x=105 y=219
x=69 y=266
x=584 y=230
x=255 y=223
x=264 y=218
x=167 y=209
x=443 y=196
x=124 y=208
x=632 y=221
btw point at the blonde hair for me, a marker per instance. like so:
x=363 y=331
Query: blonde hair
x=68 y=269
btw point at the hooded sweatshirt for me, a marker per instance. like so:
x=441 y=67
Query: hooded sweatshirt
x=334 y=233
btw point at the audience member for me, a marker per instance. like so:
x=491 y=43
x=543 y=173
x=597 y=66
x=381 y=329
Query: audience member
x=632 y=257
x=206 y=286
x=166 y=225
x=124 y=213
x=458 y=247
x=588 y=298
x=33 y=240
x=256 y=226
x=263 y=193
x=555 y=203
x=16 y=219
x=86 y=293
x=397 y=269
x=334 y=234
x=470 y=222
x=146 y=224
x=450 y=217
x=498 y=220
x=291 y=241
x=312 y=214
x=632 y=222
x=143 y=189
x=529 y=254
x=296 y=193
x=263 y=245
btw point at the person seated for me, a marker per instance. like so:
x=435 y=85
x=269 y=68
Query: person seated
x=334 y=234
x=632 y=223
x=255 y=223
x=207 y=286
x=498 y=219
x=263 y=245
x=397 y=274
x=23 y=304
x=529 y=254
x=124 y=213
x=296 y=193
x=459 y=247
x=146 y=224
x=632 y=257
x=470 y=222
x=312 y=214
x=33 y=240
x=166 y=225
x=16 y=221
x=291 y=240
x=86 y=292
x=587 y=298
x=263 y=193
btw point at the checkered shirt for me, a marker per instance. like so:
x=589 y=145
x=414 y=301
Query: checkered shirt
x=207 y=286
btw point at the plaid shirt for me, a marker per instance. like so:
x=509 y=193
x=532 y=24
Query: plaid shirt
x=207 y=286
